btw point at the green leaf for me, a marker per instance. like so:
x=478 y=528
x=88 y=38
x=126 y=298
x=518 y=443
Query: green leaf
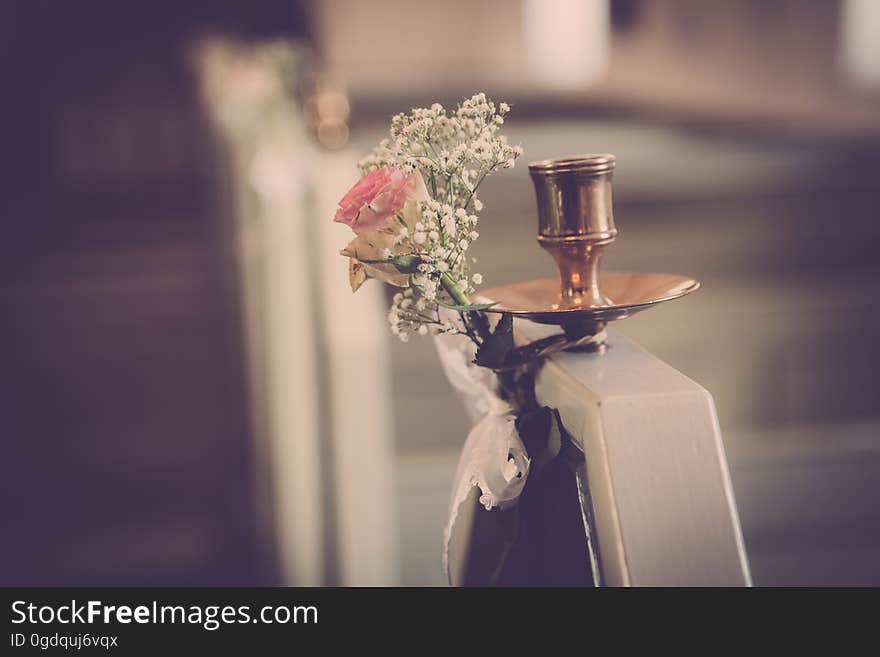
x=466 y=308
x=495 y=349
x=505 y=326
x=406 y=264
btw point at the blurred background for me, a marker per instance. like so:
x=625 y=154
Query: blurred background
x=192 y=396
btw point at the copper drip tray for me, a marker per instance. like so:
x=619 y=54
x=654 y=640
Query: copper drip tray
x=627 y=294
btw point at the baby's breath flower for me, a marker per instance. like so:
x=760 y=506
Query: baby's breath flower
x=454 y=151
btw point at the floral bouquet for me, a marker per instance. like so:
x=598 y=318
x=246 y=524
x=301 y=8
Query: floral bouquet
x=414 y=213
x=414 y=210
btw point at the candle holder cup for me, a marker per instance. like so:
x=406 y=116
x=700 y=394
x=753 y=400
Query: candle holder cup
x=575 y=226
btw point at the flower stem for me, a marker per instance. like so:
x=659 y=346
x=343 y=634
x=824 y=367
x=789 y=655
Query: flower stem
x=477 y=319
x=451 y=287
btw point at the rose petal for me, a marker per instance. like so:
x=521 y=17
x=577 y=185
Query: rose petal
x=357 y=275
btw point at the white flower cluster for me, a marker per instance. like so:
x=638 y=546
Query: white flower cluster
x=454 y=151
x=414 y=314
x=441 y=239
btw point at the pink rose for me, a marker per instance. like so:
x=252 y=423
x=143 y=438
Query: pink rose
x=377 y=197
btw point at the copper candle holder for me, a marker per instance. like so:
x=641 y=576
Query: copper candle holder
x=576 y=225
x=576 y=222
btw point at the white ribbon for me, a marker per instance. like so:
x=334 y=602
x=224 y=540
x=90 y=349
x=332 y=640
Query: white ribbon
x=493 y=458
